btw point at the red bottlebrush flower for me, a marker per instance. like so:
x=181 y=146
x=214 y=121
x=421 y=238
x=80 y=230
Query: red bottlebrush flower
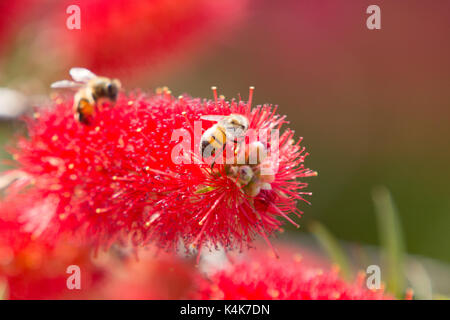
x=263 y=277
x=122 y=36
x=33 y=269
x=153 y=275
x=118 y=179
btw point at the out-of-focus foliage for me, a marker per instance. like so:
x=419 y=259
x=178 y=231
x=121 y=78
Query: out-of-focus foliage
x=332 y=247
x=391 y=238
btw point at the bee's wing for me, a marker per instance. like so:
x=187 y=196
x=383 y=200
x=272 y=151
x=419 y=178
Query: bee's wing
x=65 y=84
x=81 y=74
x=233 y=132
x=211 y=117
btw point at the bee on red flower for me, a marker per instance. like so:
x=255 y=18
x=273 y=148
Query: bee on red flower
x=131 y=176
x=91 y=90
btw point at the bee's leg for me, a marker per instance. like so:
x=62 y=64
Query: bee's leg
x=83 y=111
x=214 y=161
x=216 y=156
x=82 y=118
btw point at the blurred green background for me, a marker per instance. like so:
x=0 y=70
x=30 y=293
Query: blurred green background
x=373 y=106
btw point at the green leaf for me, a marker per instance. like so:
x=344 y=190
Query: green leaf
x=391 y=238
x=440 y=297
x=204 y=189
x=331 y=245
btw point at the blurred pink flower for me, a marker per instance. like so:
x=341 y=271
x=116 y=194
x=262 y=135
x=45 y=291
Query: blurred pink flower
x=34 y=269
x=151 y=274
x=260 y=276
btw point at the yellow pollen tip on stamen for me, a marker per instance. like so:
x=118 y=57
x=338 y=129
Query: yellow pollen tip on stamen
x=214 y=89
x=250 y=97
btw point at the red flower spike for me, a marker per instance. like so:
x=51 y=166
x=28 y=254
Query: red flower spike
x=261 y=277
x=115 y=180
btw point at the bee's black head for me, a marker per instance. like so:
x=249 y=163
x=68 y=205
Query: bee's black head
x=112 y=91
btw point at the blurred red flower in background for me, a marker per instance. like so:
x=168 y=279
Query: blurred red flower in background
x=152 y=275
x=127 y=36
x=13 y=16
x=260 y=276
x=34 y=269
x=129 y=39
x=116 y=179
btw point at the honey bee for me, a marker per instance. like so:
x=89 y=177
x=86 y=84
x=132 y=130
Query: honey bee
x=92 y=89
x=231 y=127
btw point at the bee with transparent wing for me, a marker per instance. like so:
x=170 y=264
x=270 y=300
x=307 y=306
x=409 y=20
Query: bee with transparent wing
x=91 y=90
